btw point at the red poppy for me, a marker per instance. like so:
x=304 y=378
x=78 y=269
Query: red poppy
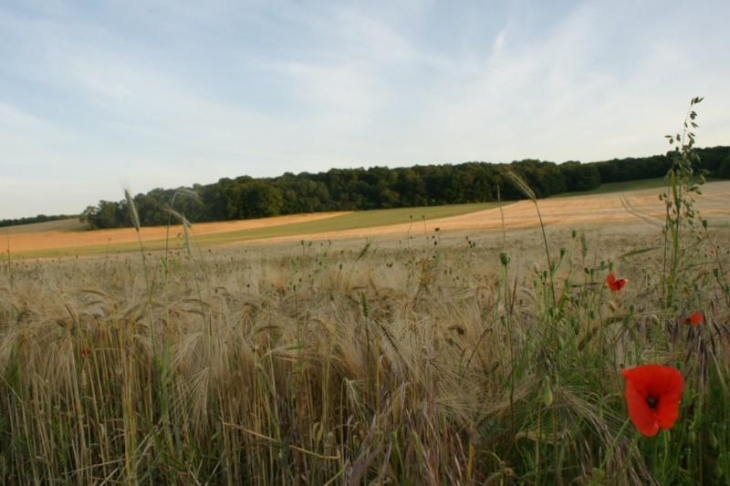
x=614 y=284
x=652 y=394
x=695 y=319
x=85 y=352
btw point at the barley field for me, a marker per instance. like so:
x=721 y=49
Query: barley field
x=434 y=352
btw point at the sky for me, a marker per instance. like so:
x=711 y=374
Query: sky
x=98 y=96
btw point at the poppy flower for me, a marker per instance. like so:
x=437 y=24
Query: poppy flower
x=614 y=284
x=652 y=394
x=695 y=319
x=85 y=352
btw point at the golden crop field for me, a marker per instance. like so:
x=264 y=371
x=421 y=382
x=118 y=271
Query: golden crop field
x=455 y=350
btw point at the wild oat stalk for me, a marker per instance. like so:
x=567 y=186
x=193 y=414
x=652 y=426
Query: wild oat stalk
x=520 y=183
x=501 y=215
x=172 y=213
x=134 y=216
x=679 y=201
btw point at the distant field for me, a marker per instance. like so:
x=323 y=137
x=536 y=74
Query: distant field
x=622 y=203
x=613 y=187
x=361 y=219
x=354 y=221
x=125 y=239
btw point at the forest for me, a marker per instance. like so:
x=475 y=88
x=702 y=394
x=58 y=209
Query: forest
x=382 y=187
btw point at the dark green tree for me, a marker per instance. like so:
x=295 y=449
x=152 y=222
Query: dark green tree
x=260 y=199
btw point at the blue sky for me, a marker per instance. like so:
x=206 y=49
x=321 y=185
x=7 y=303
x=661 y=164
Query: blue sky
x=96 y=96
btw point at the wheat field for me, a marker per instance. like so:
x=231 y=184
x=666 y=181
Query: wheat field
x=437 y=353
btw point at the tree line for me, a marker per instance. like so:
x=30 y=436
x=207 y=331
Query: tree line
x=382 y=187
x=41 y=218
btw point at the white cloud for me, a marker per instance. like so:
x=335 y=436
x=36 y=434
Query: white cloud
x=168 y=93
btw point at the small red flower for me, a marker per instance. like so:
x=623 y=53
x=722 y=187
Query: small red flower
x=652 y=394
x=695 y=319
x=85 y=352
x=614 y=284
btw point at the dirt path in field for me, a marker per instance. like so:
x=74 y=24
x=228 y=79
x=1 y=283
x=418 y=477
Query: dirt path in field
x=617 y=209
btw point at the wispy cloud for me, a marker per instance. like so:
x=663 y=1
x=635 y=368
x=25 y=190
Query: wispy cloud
x=167 y=93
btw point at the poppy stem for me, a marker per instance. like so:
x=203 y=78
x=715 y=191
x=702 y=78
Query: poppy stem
x=665 y=450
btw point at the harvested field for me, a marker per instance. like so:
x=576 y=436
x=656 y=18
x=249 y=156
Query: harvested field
x=624 y=208
x=633 y=208
x=33 y=239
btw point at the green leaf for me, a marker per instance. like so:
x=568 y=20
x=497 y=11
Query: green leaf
x=637 y=252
